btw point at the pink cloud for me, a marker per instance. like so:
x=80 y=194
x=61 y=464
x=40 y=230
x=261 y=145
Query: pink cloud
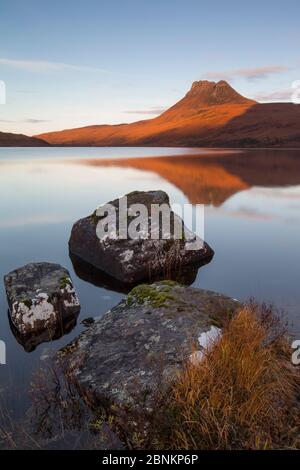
x=248 y=73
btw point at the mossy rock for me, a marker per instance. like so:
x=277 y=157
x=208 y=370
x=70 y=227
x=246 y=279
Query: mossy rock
x=155 y=295
x=141 y=343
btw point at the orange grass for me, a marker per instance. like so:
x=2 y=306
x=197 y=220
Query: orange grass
x=242 y=395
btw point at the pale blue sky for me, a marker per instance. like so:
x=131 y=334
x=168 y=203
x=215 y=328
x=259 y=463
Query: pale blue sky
x=72 y=63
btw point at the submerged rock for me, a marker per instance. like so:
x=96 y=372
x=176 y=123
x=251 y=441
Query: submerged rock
x=137 y=347
x=31 y=340
x=43 y=304
x=186 y=275
x=154 y=253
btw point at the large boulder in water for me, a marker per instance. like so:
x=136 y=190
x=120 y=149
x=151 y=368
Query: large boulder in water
x=153 y=254
x=43 y=304
x=137 y=347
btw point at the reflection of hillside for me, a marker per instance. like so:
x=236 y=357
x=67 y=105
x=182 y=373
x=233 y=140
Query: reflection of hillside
x=213 y=177
x=261 y=167
x=200 y=183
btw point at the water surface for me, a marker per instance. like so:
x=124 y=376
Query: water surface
x=252 y=221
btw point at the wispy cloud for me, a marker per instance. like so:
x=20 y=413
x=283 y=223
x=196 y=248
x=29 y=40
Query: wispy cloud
x=46 y=66
x=26 y=121
x=35 y=121
x=154 y=111
x=253 y=73
x=279 y=95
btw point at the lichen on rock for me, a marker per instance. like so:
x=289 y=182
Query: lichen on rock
x=152 y=251
x=42 y=302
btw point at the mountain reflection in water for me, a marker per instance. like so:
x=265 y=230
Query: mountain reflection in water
x=211 y=178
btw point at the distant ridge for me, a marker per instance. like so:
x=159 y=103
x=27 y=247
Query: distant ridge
x=19 y=140
x=211 y=114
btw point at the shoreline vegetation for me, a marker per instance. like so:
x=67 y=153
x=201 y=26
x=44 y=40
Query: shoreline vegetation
x=243 y=394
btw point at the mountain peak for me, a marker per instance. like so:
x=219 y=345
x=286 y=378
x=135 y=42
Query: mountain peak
x=214 y=93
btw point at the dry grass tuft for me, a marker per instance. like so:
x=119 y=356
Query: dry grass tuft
x=242 y=395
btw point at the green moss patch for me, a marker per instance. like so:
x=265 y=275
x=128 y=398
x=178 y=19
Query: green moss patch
x=64 y=282
x=155 y=295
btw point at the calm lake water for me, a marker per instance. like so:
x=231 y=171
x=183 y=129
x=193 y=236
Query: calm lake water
x=252 y=221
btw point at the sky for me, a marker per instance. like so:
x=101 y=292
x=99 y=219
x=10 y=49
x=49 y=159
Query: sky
x=74 y=63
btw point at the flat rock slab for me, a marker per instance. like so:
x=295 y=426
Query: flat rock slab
x=41 y=299
x=136 y=347
x=143 y=258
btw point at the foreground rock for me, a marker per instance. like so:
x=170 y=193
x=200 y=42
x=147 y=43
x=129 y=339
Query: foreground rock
x=132 y=260
x=43 y=304
x=136 y=348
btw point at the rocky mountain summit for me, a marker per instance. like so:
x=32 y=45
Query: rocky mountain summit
x=209 y=93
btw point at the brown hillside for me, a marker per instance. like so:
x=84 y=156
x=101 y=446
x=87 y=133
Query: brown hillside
x=211 y=114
